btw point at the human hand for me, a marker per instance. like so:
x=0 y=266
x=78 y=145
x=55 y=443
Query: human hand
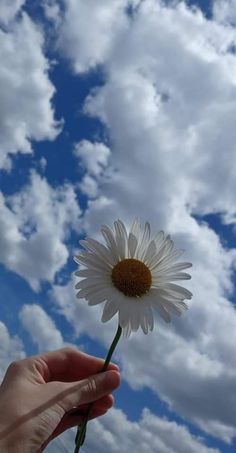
x=42 y=396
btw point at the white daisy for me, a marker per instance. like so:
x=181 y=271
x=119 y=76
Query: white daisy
x=133 y=275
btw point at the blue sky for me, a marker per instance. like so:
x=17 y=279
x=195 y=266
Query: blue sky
x=107 y=114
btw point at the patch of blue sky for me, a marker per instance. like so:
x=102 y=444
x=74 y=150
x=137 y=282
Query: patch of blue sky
x=225 y=231
x=15 y=292
x=204 y=5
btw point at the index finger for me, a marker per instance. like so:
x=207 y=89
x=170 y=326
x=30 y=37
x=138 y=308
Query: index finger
x=69 y=364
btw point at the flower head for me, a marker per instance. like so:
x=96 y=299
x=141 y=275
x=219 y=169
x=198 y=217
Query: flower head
x=133 y=274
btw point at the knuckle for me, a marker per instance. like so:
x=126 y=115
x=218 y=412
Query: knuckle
x=91 y=387
x=15 y=367
x=67 y=350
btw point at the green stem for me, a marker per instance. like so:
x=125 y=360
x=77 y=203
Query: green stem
x=81 y=431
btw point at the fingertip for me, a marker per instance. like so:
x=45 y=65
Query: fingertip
x=110 y=401
x=113 y=366
x=113 y=377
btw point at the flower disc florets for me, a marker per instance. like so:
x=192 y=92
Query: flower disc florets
x=131 y=277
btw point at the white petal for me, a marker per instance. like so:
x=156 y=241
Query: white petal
x=163 y=312
x=159 y=239
x=163 y=278
x=110 y=240
x=134 y=320
x=124 y=312
x=92 y=273
x=168 y=260
x=110 y=309
x=90 y=290
x=144 y=240
x=132 y=245
x=144 y=324
x=92 y=261
x=175 y=308
x=169 y=247
x=162 y=292
x=98 y=249
x=127 y=331
x=94 y=298
x=150 y=252
x=157 y=258
x=150 y=318
x=121 y=239
x=179 y=266
x=92 y=283
x=97 y=298
x=136 y=228
x=176 y=289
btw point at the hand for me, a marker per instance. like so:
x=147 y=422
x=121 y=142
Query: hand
x=42 y=396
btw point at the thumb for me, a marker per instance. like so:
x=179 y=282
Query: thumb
x=72 y=395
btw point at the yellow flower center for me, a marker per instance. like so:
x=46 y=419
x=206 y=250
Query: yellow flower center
x=132 y=277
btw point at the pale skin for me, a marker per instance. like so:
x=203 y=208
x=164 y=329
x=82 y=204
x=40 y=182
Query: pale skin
x=44 y=395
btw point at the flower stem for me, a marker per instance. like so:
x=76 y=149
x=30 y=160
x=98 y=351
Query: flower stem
x=81 y=431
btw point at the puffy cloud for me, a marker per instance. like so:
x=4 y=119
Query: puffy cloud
x=41 y=328
x=150 y=433
x=11 y=348
x=177 y=120
x=34 y=226
x=93 y=157
x=26 y=110
x=8 y=10
x=88 y=30
x=52 y=11
x=224 y=11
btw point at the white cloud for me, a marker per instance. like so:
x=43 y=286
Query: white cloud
x=151 y=433
x=93 y=158
x=9 y=9
x=11 y=348
x=225 y=11
x=89 y=29
x=177 y=120
x=52 y=10
x=41 y=328
x=34 y=226
x=89 y=186
x=26 y=110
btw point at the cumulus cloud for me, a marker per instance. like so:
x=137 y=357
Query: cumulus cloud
x=52 y=11
x=34 y=225
x=150 y=433
x=88 y=30
x=93 y=158
x=177 y=120
x=11 y=348
x=26 y=111
x=8 y=10
x=41 y=328
x=224 y=11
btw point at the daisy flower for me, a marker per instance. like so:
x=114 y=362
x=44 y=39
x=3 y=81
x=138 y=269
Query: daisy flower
x=133 y=274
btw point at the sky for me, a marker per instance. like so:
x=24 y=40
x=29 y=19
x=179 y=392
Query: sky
x=123 y=109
